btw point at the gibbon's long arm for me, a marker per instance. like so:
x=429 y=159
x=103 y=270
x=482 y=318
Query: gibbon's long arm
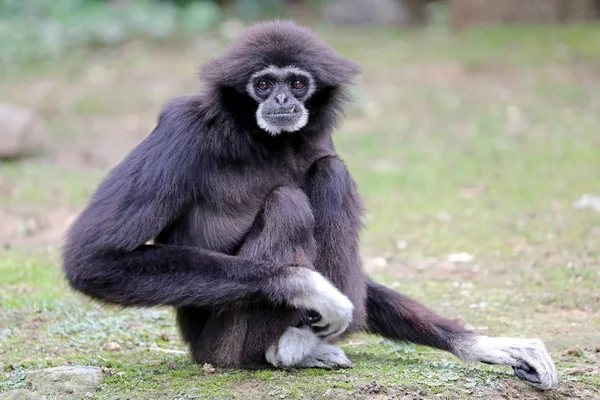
x=106 y=258
x=337 y=209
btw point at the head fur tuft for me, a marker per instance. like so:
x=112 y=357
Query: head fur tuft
x=281 y=44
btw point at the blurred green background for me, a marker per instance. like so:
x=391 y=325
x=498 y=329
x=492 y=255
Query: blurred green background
x=474 y=137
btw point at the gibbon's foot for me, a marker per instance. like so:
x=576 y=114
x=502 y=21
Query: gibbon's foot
x=293 y=346
x=330 y=309
x=301 y=348
x=528 y=357
x=331 y=355
x=325 y=356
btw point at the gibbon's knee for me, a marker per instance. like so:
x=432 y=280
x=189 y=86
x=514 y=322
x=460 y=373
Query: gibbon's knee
x=288 y=209
x=329 y=173
x=283 y=230
x=333 y=164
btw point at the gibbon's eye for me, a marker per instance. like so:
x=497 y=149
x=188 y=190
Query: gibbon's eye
x=298 y=84
x=263 y=85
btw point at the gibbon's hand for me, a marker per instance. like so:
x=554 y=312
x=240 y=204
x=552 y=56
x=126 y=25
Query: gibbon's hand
x=330 y=311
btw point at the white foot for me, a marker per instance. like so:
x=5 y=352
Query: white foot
x=528 y=357
x=332 y=355
x=295 y=345
x=300 y=347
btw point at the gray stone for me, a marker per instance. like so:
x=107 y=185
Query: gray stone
x=21 y=132
x=71 y=382
x=19 y=394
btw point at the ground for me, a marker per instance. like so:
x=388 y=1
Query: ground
x=476 y=144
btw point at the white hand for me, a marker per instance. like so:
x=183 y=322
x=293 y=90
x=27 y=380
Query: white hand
x=320 y=295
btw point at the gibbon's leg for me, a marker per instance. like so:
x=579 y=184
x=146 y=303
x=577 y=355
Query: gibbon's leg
x=282 y=234
x=238 y=337
x=335 y=203
x=397 y=317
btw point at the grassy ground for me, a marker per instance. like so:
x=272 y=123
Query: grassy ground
x=477 y=144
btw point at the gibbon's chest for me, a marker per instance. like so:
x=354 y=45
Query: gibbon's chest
x=231 y=198
x=243 y=186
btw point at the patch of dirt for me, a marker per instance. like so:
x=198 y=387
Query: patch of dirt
x=588 y=370
x=251 y=389
x=483 y=82
x=509 y=391
x=488 y=82
x=587 y=359
x=369 y=388
x=107 y=140
x=402 y=392
x=565 y=390
x=41 y=227
x=406 y=268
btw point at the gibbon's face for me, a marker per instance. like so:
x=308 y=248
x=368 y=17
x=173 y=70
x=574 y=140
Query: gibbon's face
x=281 y=94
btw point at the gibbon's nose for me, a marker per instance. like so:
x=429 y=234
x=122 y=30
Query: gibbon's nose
x=281 y=98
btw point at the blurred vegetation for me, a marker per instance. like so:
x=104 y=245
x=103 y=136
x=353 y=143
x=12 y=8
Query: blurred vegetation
x=35 y=31
x=43 y=30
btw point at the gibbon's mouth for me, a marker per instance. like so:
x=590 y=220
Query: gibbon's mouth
x=284 y=112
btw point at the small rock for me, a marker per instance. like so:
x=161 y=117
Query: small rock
x=208 y=369
x=375 y=263
x=483 y=304
x=109 y=371
x=164 y=336
x=401 y=244
x=27 y=227
x=460 y=258
x=70 y=382
x=588 y=202
x=89 y=395
x=112 y=346
x=21 y=132
x=574 y=351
